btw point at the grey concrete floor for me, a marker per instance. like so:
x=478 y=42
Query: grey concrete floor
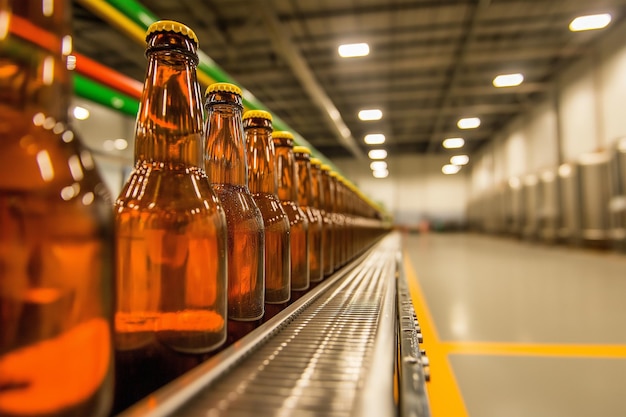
x=528 y=329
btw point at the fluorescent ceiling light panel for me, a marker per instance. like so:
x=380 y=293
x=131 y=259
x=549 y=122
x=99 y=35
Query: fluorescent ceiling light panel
x=378 y=165
x=459 y=160
x=352 y=50
x=377 y=154
x=374 y=139
x=370 y=114
x=450 y=169
x=508 y=80
x=453 y=143
x=120 y=144
x=590 y=22
x=383 y=173
x=468 y=123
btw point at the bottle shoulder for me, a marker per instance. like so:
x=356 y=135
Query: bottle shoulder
x=153 y=185
x=238 y=203
x=271 y=209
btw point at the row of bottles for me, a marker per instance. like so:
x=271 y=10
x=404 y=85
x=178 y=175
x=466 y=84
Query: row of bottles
x=220 y=226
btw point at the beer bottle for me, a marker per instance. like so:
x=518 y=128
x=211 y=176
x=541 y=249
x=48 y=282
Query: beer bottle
x=262 y=181
x=226 y=165
x=347 y=220
x=299 y=226
x=56 y=240
x=328 y=224
x=305 y=200
x=171 y=229
x=339 y=221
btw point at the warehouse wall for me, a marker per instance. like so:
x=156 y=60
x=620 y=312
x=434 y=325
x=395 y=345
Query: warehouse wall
x=416 y=191
x=584 y=113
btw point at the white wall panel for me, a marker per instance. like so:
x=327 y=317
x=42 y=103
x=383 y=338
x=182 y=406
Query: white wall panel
x=515 y=151
x=577 y=102
x=613 y=86
x=542 y=138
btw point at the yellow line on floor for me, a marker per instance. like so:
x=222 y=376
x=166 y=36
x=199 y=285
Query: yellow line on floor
x=535 y=349
x=443 y=391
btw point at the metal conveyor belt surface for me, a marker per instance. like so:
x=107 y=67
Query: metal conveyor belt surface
x=331 y=353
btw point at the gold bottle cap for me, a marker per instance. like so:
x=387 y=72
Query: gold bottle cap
x=315 y=161
x=326 y=168
x=334 y=175
x=301 y=149
x=257 y=114
x=225 y=87
x=172 y=26
x=282 y=134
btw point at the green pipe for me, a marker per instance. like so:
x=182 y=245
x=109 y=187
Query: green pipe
x=135 y=11
x=94 y=91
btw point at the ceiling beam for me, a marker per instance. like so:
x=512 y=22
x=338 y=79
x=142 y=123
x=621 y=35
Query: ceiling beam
x=459 y=61
x=285 y=47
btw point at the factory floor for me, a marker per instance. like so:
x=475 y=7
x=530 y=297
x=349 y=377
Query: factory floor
x=519 y=329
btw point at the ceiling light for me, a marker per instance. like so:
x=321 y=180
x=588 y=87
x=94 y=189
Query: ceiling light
x=81 y=113
x=120 y=144
x=351 y=50
x=370 y=114
x=590 y=22
x=374 y=139
x=508 y=80
x=377 y=154
x=459 y=160
x=468 y=123
x=453 y=143
x=378 y=165
x=450 y=169
x=383 y=173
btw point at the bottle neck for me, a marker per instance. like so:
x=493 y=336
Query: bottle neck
x=328 y=192
x=261 y=160
x=304 y=180
x=225 y=160
x=34 y=79
x=316 y=187
x=285 y=165
x=169 y=122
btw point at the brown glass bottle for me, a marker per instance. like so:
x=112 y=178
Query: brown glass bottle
x=170 y=229
x=299 y=226
x=226 y=165
x=263 y=184
x=328 y=220
x=347 y=221
x=339 y=222
x=56 y=240
x=305 y=200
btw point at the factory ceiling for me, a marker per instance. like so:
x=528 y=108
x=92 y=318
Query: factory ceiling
x=431 y=62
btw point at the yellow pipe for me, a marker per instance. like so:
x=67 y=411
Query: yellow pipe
x=116 y=18
x=110 y=14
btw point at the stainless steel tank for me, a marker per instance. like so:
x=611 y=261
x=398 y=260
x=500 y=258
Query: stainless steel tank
x=548 y=215
x=530 y=190
x=515 y=207
x=569 y=195
x=595 y=192
x=617 y=204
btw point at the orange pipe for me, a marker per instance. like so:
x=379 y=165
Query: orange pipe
x=86 y=66
x=105 y=75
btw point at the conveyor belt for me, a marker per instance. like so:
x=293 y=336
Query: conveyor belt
x=332 y=353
